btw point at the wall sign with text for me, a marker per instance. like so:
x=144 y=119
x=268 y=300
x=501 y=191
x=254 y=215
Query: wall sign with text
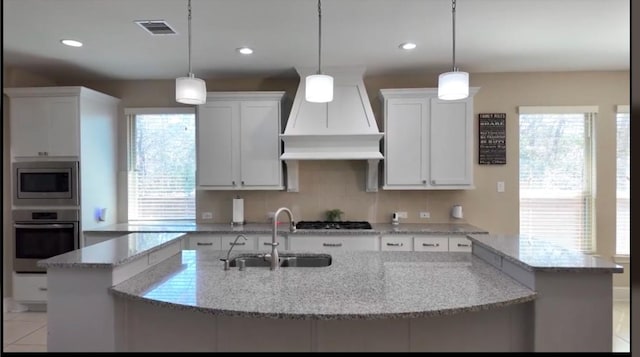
x=492 y=148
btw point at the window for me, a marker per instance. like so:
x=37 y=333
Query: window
x=556 y=200
x=162 y=164
x=623 y=180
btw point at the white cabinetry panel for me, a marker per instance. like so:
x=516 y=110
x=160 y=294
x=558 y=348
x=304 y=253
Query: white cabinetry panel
x=238 y=142
x=431 y=244
x=314 y=243
x=396 y=243
x=459 y=244
x=428 y=142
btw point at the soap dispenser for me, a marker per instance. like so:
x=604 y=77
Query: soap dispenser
x=394 y=219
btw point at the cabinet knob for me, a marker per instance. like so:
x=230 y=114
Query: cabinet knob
x=424 y=182
x=233 y=183
x=242 y=183
x=46 y=153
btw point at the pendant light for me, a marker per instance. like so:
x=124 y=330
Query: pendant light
x=455 y=84
x=190 y=90
x=319 y=87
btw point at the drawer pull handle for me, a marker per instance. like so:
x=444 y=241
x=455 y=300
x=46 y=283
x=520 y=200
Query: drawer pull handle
x=332 y=244
x=394 y=244
x=200 y=243
x=430 y=244
x=241 y=243
x=42 y=289
x=463 y=245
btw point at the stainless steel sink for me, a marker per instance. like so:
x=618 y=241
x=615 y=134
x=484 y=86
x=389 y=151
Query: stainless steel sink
x=286 y=260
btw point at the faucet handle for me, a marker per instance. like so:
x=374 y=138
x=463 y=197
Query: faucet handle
x=226 y=263
x=272 y=243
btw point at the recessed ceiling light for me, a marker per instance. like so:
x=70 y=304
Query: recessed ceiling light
x=408 y=46
x=72 y=43
x=245 y=50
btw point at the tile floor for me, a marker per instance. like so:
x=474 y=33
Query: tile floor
x=27 y=331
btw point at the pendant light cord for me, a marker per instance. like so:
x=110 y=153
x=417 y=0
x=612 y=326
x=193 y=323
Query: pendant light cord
x=189 y=35
x=453 y=15
x=319 y=36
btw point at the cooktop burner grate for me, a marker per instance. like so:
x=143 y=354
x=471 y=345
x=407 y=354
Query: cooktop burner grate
x=333 y=225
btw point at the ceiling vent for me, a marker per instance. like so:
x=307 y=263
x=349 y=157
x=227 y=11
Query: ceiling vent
x=156 y=27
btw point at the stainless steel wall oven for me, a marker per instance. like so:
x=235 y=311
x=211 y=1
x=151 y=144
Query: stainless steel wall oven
x=45 y=183
x=41 y=234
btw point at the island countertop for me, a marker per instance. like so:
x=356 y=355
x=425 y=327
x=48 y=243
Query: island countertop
x=536 y=254
x=114 y=252
x=266 y=228
x=357 y=285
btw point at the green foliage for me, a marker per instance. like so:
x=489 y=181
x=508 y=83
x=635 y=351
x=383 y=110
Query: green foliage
x=334 y=215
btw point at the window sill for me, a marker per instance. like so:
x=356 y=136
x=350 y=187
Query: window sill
x=622 y=259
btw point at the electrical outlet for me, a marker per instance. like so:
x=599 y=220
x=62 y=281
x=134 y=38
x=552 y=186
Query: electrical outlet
x=207 y=215
x=270 y=216
x=402 y=215
x=425 y=215
x=500 y=186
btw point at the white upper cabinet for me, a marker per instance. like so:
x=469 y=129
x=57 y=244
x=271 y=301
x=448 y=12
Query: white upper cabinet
x=45 y=126
x=238 y=142
x=428 y=142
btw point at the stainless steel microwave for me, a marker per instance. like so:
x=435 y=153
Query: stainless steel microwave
x=46 y=183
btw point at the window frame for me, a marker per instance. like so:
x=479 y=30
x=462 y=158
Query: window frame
x=591 y=114
x=130 y=114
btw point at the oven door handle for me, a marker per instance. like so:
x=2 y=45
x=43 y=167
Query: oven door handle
x=42 y=226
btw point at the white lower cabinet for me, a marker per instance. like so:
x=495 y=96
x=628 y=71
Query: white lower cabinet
x=431 y=243
x=459 y=244
x=264 y=242
x=227 y=241
x=203 y=241
x=335 y=243
x=396 y=243
x=30 y=288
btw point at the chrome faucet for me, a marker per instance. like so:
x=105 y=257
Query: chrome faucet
x=274 y=257
x=226 y=261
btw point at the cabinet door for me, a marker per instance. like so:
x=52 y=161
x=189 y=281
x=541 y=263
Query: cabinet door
x=451 y=143
x=264 y=243
x=45 y=126
x=396 y=243
x=30 y=287
x=431 y=244
x=405 y=149
x=260 y=163
x=215 y=154
x=459 y=244
x=204 y=241
x=328 y=243
x=251 y=243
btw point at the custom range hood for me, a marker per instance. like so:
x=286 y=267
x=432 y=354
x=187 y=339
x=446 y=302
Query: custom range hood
x=343 y=129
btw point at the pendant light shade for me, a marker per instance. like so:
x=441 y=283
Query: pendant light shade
x=190 y=90
x=455 y=84
x=319 y=87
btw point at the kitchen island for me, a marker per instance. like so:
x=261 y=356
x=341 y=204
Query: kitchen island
x=363 y=301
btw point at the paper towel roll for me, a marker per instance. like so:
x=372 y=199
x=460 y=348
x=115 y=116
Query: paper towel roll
x=238 y=210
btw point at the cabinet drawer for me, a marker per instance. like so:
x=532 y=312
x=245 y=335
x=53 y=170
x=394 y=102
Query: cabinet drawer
x=264 y=243
x=30 y=287
x=431 y=244
x=459 y=244
x=250 y=243
x=314 y=243
x=396 y=243
x=204 y=241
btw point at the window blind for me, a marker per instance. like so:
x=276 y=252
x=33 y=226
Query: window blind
x=623 y=180
x=161 y=178
x=556 y=201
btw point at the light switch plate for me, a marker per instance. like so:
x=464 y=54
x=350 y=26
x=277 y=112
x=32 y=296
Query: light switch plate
x=500 y=186
x=402 y=215
x=425 y=215
x=207 y=215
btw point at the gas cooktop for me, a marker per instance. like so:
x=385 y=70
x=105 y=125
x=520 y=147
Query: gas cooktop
x=333 y=225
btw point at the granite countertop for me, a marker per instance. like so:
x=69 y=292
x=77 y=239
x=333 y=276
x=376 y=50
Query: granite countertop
x=266 y=228
x=536 y=254
x=114 y=252
x=357 y=285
